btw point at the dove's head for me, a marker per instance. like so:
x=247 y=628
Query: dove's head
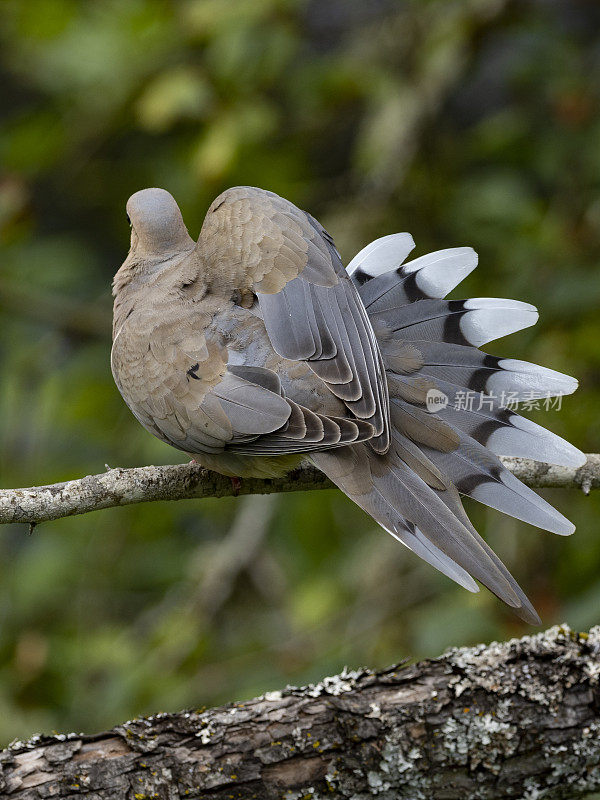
x=159 y=239
x=157 y=227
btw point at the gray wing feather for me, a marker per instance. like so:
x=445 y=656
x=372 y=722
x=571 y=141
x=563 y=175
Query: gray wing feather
x=265 y=422
x=251 y=408
x=327 y=326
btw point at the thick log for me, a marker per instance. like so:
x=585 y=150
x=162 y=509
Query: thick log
x=512 y=720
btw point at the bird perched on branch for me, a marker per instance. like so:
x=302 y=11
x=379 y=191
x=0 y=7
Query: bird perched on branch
x=253 y=349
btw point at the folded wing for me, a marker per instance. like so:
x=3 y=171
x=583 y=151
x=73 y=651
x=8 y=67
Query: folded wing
x=311 y=310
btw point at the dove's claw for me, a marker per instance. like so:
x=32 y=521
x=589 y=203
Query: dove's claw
x=236 y=484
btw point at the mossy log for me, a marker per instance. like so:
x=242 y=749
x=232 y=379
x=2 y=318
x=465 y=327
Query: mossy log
x=518 y=719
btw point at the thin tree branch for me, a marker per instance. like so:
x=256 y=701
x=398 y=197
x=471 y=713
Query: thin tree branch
x=122 y=487
x=511 y=720
x=235 y=552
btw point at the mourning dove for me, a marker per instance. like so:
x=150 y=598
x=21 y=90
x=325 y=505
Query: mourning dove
x=254 y=349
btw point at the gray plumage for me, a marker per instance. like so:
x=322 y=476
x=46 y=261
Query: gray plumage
x=254 y=348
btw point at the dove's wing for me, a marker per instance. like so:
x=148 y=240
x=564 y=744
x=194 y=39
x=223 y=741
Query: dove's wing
x=243 y=394
x=311 y=310
x=192 y=400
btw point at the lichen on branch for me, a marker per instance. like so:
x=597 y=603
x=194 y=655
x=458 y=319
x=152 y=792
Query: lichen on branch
x=120 y=487
x=516 y=719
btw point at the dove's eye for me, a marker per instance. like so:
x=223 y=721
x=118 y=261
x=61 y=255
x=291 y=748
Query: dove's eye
x=129 y=221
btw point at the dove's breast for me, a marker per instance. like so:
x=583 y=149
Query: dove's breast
x=165 y=361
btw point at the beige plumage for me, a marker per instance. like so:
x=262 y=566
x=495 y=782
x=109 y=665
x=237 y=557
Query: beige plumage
x=254 y=348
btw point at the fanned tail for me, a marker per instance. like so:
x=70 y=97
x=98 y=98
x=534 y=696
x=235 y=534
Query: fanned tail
x=431 y=344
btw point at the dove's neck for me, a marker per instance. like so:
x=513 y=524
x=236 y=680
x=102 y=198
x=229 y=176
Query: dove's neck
x=139 y=275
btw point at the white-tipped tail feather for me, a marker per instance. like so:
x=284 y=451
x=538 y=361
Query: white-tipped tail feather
x=382 y=255
x=533 y=378
x=490 y=318
x=436 y=274
x=526 y=439
x=428 y=342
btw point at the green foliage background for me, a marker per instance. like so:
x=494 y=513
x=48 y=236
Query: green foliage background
x=472 y=122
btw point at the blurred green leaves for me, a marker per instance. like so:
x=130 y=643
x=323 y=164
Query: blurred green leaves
x=464 y=122
x=180 y=93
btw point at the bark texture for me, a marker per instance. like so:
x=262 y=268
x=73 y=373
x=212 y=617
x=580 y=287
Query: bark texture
x=121 y=487
x=518 y=719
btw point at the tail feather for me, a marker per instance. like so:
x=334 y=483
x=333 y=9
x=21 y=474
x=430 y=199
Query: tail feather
x=413 y=490
x=526 y=611
x=431 y=276
x=474 y=470
x=478 y=473
x=414 y=539
x=503 y=431
x=463 y=322
x=508 y=379
x=380 y=256
x=402 y=503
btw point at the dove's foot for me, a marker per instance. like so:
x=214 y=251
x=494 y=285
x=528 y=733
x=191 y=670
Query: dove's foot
x=236 y=484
